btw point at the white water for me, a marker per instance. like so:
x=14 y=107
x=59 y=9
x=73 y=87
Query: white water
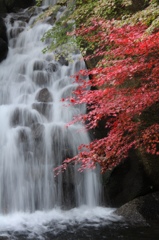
x=34 y=138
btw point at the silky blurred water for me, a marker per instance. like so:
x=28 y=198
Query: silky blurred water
x=34 y=140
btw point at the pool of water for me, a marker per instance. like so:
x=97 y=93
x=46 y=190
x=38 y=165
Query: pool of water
x=113 y=231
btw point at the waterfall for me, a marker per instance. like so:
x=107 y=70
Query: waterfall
x=49 y=2
x=34 y=138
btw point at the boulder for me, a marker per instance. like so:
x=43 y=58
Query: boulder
x=23 y=142
x=126 y=181
x=63 y=61
x=11 y=5
x=38 y=65
x=44 y=96
x=43 y=108
x=3 y=30
x=3 y=40
x=41 y=78
x=3 y=9
x=139 y=173
x=141 y=210
x=3 y=49
x=22 y=117
x=39 y=152
x=37 y=131
x=24 y=3
x=51 y=67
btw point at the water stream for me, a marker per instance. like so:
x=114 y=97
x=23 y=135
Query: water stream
x=34 y=138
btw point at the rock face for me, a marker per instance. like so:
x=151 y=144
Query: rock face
x=141 y=210
x=11 y=5
x=44 y=96
x=126 y=182
x=138 y=174
x=5 y=7
x=3 y=40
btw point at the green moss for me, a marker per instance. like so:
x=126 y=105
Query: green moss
x=51 y=11
x=61 y=2
x=148 y=16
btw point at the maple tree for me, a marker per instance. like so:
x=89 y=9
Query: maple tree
x=126 y=79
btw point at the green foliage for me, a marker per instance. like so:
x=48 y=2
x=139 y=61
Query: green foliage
x=148 y=16
x=38 y=3
x=155 y=1
x=82 y=11
x=51 y=11
x=62 y=2
x=58 y=34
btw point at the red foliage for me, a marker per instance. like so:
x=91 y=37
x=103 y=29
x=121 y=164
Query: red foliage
x=127 y=78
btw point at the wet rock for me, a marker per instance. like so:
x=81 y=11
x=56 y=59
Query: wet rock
x=37 y=131
x=142 y=209
x=62 y=60
x=38 y=65
x=41 y=78
x=38 y=142
x=62 y=149
x=3 y=49
x=12 y=5
x=44 y=96
x=51 y=67
x=3 y=9
x=23 y=141
x=43 y=108
x=138 y=174
x=4 y=238
x=49 y=57
x=22 y=117
x=21 y=77
x=126 y=181
x=68 y=186
x=24 y=3
x=3 y=40
x=14 y=32
x=3 y=30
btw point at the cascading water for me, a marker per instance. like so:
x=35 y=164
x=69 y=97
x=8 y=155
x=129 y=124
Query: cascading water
x=33 y=134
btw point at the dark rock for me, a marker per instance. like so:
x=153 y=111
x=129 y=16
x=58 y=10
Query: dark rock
x=44 y=96
x=126 y=181
x=43 y=108
x=22 y=117
x=139 y=5
x=51 y=67
x=3 y=30
x=38 y=142
x=3 y=9
x=3 y=40
x=62 y=60
x=38 y=65
x=41 y=78
x=138 y=174
x=23 y=141
x=11 y=5
x=61 y=140
x=14 y=32
x=37 y=131
x=61 y=144
x=142 y=209
x=68 y=188
x=24 y=3
x=3 y=49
